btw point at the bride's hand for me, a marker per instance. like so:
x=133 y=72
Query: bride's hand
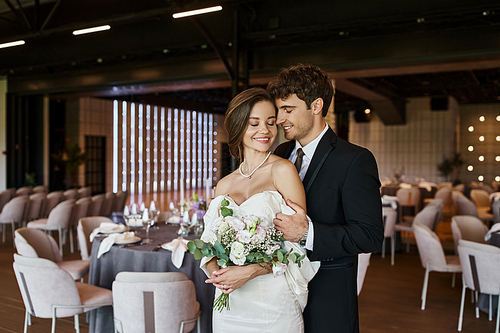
x=231 y=278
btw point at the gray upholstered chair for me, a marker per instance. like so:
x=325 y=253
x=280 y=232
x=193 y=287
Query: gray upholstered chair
x=50 y=292
x=25 y=190
x=432 y=256
x=481 y=273
x=58 y=219
x=408 y=197
x=35 y=206
x=96 y=205
x=72 y=193
x=84 y=192
x=107 y=205
x=35 y=243
x=390 y=217
x=52 y=200
x=40 y=189
x=363 y=263
x=81 y=209
x=85 y=227
x=464 y=206
x=160 y=302
x=495 y=207
x=5 y=197
x=13 y=212
x=469 y=228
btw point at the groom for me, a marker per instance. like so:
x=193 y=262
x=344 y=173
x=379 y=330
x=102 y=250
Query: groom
x=343 y=199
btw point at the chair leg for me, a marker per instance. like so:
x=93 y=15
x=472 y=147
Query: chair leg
x=461 y=315
x=61 y=241
x=477 y=306
x=393 y=243
x=53 y=320
x=77 y=323
x=3 y=233
x=198 y=324
x=71 y=247
x=26 y=320
x=453 y=280
x=490 y=315
x=498 y=315
x=13 y=232
x=383 y=248
x=424 y=289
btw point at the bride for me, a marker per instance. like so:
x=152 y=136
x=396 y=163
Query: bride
x=259 y=301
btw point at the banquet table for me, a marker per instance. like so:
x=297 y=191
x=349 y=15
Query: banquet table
x=141 y=258
x=424 y=193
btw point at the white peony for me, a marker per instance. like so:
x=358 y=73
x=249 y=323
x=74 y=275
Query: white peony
x=237 y=254
x=215 y=225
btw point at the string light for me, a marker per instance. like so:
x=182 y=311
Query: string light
x=470 y=168
x=481 y=158
x=470 y=148
x=480 y=178
x=471 y=128
x=481 y=138
x=481 y=118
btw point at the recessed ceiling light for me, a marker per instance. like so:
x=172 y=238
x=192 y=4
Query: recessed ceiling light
x=480 y=178
x=470 y=168
x=481 y=158
x=470 y=148
x=471 y=128
x=481 y=118
x=481 y=138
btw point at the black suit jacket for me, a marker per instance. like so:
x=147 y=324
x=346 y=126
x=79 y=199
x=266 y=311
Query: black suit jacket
x=343 y=199
x=343 y=202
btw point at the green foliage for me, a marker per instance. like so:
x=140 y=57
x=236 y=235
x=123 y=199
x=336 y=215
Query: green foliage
x=30 y=179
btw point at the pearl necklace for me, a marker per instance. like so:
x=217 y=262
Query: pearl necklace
x=258 y=166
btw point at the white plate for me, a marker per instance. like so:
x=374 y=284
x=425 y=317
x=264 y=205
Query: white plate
x=128 y=240
x=113 y=230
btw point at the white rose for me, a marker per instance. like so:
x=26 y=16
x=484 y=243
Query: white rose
x=223 y=225
x=279 y=268
x=235 y=223
x=216 y=224
x=243 y=236
x=237 y=254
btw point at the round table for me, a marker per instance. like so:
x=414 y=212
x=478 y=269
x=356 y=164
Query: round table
x=142 y=258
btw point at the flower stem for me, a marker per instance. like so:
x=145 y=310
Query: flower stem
x=221 y=303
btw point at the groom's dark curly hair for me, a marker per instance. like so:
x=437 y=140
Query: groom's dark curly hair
x=238 y=114
x=308 y=82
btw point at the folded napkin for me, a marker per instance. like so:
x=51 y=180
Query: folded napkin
x=108 y=242
x=390 y=200
x=178 y=247
x=428 y=186
x=174 y=219
x=106 y=227
x=494 y=229
x=405 y=185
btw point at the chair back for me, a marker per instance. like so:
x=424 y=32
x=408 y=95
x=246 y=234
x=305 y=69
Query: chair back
x=25 y=190
x=444 y=194
x=72 y=193
x=390 y=218
x=15 y=210
x=85 y=227
x=5 y=197
x=43 y=284
x=81 y=209
x=34 y=243
x=84 y=192
x=480 y=197
x=96 y=205
x=52 y=200
x=429 y=216
x=429 y=245
x=445 y=184
x=107 y=205
x=35 y=206
x=495 y=207
x=61 y=214
x=363 y=263
x=469 y=228
x=408 y=196
x=40 y=189
x=120 y=200
x=464 y=206
x=158 y=301
x=480 y=266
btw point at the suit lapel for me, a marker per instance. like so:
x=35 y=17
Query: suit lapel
x=286 y=149
x=324 y=148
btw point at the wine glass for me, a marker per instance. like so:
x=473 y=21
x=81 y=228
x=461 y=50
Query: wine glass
x=147 y=224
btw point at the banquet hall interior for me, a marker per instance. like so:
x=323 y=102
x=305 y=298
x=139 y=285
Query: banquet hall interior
x=130 y=114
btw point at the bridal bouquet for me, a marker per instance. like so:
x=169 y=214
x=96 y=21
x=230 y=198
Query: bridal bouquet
x=244 y=241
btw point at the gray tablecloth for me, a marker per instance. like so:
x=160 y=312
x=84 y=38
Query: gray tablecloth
x=142 y=259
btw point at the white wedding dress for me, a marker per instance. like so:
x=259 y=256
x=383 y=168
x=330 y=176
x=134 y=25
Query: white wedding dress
x=266 y=303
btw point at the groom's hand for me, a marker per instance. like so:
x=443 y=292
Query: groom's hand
x=294 y=226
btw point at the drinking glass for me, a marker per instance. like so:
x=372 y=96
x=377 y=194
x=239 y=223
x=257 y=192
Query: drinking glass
x=147 y=224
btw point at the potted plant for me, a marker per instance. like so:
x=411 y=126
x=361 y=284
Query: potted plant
x=71 y=157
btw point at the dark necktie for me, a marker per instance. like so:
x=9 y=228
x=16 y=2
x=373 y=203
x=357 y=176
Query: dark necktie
x=298 y=161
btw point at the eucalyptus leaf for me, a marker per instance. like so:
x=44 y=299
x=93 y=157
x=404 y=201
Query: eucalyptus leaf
x=224 y=203
x=218 y=246
x=199 y=243
x=226 y=212
x=280 y=256
x=221 y=262
x=191 y=246
x=197 y=254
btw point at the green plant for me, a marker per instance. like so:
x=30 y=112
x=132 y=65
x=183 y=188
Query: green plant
x=71 y=157
x=30 y=179
x=451 y=166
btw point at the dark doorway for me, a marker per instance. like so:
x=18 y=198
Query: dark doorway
x=95 y=167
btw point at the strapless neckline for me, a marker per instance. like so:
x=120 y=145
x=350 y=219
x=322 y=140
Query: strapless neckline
x=249 y=198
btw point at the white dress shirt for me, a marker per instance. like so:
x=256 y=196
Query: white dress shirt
x=309 y=151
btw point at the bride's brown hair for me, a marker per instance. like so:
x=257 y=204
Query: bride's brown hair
x=237 y=115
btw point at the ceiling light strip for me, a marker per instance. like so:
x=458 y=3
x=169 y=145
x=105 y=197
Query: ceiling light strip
x=90 y=30
x=10 y=44
x=197 y=11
